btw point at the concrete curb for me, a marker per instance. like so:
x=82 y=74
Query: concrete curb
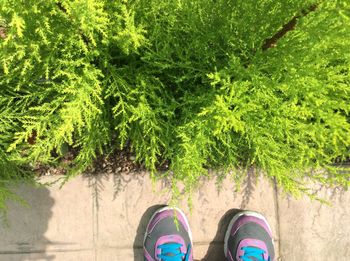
x=104 y=218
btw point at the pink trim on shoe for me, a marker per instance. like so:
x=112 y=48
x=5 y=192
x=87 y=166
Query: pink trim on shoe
x=165 y=214
x=147 y=255
x=249 y=219
x=251 y=243
x=229 y=256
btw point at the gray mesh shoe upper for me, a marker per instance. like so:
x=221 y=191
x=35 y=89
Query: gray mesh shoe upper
x=164 y=240
x=249 y=238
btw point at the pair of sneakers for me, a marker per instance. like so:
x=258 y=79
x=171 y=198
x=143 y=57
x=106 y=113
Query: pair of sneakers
x=248 y=237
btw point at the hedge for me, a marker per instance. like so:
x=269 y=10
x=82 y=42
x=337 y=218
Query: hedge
x=195 y=84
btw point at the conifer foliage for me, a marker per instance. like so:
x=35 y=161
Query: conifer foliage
x=196 y=83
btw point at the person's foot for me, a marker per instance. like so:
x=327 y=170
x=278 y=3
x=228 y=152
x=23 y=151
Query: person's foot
x=249 y=238
x=164 y=241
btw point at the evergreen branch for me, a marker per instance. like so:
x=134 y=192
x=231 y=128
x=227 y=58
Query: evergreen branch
x=289 y=26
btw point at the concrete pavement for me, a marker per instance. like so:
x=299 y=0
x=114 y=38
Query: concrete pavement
x=103 y=217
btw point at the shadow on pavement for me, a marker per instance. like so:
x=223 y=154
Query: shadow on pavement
x=248 y=188
x=141 y=229
x=23 y=237
x=216 y=247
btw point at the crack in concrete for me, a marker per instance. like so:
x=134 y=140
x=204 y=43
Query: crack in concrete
x=277 y=214
x=95 y=205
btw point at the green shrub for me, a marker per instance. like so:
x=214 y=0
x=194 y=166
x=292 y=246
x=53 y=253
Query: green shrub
x=197 y=84
x=11 y=175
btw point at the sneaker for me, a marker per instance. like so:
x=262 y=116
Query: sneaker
x=164 y=241
x=249 y=238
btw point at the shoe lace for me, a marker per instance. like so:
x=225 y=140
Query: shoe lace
x=172 y=252
x=253 y=252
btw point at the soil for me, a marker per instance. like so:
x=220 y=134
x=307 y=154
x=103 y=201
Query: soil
x=2 y=32
x=121 y=161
